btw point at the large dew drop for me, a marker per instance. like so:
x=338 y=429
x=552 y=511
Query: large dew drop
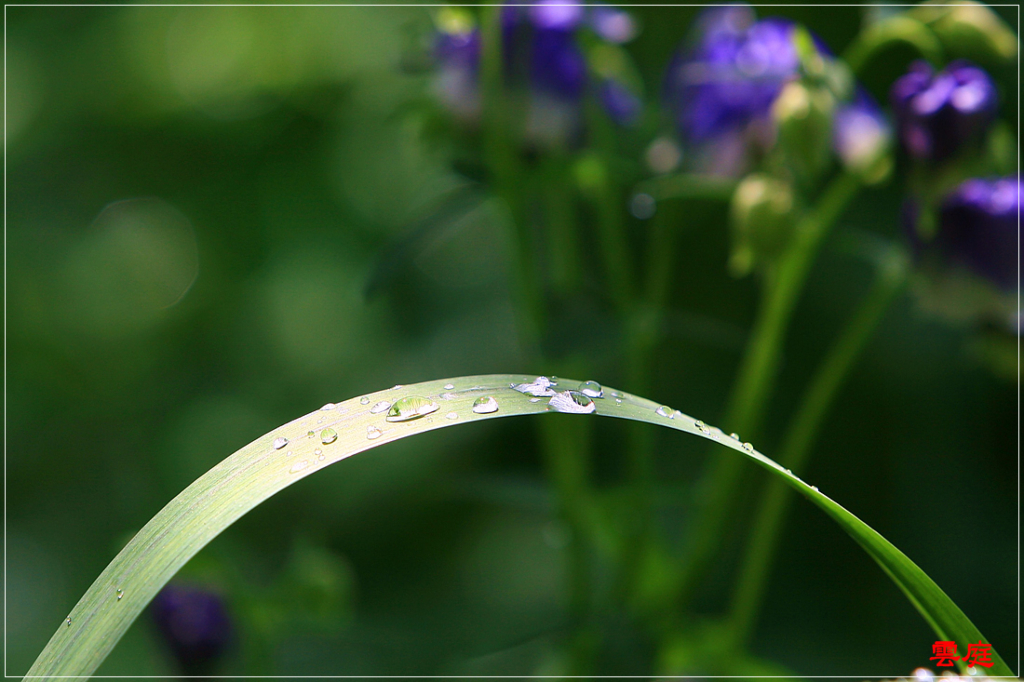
x=279 y=442
x=380 y=407
x=411 y=407
x=572 y=402
x=328 y=436
x=485 y=405
x=592 y=389
x=540 y=387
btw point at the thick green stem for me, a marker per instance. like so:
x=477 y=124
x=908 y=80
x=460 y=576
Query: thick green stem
x=757 y=374
x=801 y=434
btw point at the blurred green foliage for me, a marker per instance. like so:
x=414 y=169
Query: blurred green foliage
x=274 y=156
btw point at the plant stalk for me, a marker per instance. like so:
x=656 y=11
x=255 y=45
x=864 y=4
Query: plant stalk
x=746 y=406
x=800 y=436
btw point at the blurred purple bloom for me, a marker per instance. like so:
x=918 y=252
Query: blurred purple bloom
x=730 y=76
x=938 y=114
x=195 y=624
x=612 y=24
x=541 y=55
x=860 y=132
x=978 y=229
x=622 y=106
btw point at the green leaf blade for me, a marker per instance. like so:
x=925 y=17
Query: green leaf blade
x=260 y=469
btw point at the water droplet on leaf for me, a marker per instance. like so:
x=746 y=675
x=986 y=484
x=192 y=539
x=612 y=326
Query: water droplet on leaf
x=449 y=387
x=748 y=447
x=372 y=432
x=665 y=411
x=364 y=400
x=380 y=407
x=572 y=402
x=328 y=436
x=411 y=407
x=592 y=389
x=299 y=466
x=485 y=405
x=451 y=416
x=541 y=387
x=279 y=442
x=328 y=406
x=120 y=593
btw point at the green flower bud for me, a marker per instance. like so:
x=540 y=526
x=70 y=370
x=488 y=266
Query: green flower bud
x=762 y=218
x=803 y=115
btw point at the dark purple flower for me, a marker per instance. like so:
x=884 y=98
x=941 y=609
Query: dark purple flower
x=195 y=624
x=730 y=76
x=977 y=228
x=938 y=114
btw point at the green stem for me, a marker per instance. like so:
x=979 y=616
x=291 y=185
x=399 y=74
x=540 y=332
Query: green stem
x=888 y=32
x=801 y=434
x=560 y=224
x=757 y=374
x=499 y=141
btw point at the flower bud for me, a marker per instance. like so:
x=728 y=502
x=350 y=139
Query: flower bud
x=940 y=115
x=803 y=114
x=761 y=215
x=862 y=137
x=195 y=624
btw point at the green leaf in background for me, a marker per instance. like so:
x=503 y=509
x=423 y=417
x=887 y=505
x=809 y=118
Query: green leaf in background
x=337 y=431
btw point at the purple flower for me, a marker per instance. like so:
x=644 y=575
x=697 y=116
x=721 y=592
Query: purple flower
x=542 y=56
x=977 y=229
x=195 y=624
x=731 y=75
x=939 y=114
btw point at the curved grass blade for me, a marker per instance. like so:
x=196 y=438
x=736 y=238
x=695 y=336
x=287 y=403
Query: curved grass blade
x=310 y=443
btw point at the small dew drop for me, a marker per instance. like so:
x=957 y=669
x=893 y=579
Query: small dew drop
x=734 y=436
x=748 y=447
x=485 y=405
x=815 y=488
x=452 y=416
x=372 y=432
x=396 y=387
x=279 y=442
x=411 y=407
x=592 y=389
x=68 y=621
x=789 y=471
x=299 y=466
x=380 y=407
x=700 y=425
x=120 y=593
x=618 y=401
x=449 y=387
x=322 y=457
x=318 y=451
x=572 y=402
x=364 y=400
x=665 y=411
x=310 y=434
x=328 y=436
x=616 y=394
x=328 y=406
x=320 y=420
x=535 y=400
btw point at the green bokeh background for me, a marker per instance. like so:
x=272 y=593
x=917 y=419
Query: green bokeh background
x=299 y=150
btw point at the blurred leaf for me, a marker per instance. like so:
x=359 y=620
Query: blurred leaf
x=335 y=432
